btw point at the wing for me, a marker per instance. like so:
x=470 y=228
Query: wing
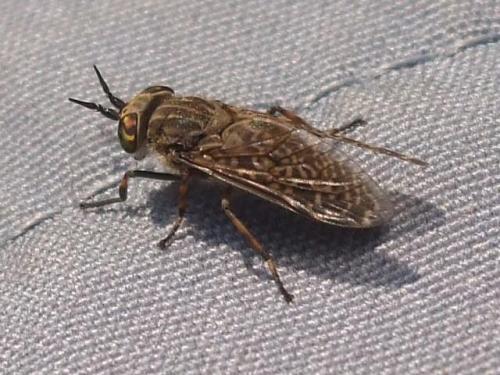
x=292 y=167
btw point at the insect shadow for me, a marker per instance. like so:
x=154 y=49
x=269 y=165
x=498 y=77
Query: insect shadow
x=342 y=254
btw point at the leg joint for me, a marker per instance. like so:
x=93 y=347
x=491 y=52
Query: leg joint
x=224 y=204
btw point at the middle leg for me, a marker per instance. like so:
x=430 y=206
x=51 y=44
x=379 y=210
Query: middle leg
x=183 y=190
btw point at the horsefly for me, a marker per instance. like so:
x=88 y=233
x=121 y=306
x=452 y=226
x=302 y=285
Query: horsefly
x=275 y=155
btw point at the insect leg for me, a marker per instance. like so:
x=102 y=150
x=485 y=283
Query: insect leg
x=345 y=127
x=255 y=244
x=336 y=134
x=289 y=115
x=123 y=187
x=379 y=150
x=300 y=121
x=183 y=190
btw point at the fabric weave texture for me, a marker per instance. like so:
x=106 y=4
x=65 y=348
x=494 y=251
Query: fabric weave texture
x=90 y=293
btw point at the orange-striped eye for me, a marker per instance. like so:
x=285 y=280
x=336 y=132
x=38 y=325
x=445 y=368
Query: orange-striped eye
x=127 y=132
x=156 y=89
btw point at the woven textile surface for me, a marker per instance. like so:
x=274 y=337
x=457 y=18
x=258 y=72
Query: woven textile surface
x=89 y=292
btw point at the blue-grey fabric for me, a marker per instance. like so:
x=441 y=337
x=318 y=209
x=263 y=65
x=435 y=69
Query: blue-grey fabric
x=90 y=292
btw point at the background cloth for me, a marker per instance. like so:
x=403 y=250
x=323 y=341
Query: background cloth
x=89 y=292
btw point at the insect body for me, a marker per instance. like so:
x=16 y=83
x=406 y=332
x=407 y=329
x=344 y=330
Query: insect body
x=275 y=155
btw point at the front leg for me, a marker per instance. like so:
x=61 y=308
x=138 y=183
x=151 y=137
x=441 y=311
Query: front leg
x=123 y=187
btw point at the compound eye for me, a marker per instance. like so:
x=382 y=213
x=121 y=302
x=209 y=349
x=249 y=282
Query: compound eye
x=127 y=132
x=155 y=89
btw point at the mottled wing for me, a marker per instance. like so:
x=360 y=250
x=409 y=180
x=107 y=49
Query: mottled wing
x=294 y=168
